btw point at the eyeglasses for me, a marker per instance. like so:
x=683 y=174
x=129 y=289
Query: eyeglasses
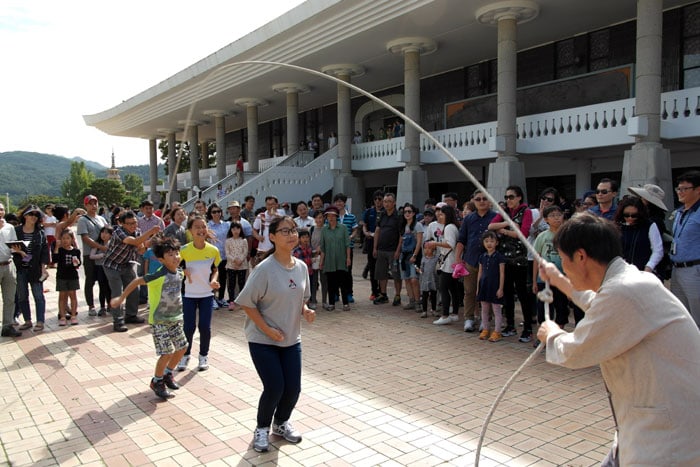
x=547 y=198
x=287 y=232
x=407 y=211
x=478 y=200
x=629 y=215
x=602 y=192
x=555 y=214
x=216 y=212
x=683 y=189
x=509 y=197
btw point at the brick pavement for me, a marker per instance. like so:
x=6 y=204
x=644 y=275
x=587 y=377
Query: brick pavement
x=380 y=387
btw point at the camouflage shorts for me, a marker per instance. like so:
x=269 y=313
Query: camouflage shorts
x=168 y=338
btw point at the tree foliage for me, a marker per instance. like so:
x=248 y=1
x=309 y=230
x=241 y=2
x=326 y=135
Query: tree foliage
x=184 y=166
x=133 y=185
x=76 y=186
x=108 y=191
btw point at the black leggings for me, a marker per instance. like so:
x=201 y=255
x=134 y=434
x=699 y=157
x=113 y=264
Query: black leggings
x=449 y=293
x=429 y=295
x=516 y=282
x=235 y=276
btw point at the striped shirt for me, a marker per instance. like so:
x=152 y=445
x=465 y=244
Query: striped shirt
x=348 y=220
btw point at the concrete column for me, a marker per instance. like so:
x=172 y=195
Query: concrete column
x=204 y=153
x=192 y=136
x=507 y=169
x=345 y=182
x=583 y=176
x=412 y=184
x=292 y=90
x=172 y=169
x=220 y=126
x=251 y=105
x=648 y=161
x=153 y=168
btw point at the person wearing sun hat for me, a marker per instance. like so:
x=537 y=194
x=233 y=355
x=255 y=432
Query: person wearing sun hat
x=652 y=197
x=650 y=193
x=335 y=258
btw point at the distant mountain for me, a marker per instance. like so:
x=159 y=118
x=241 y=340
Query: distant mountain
x=23 y=173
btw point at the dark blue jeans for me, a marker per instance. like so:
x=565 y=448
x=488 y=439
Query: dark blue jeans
x=279 y=369
x=189 y=321
x=37 y=288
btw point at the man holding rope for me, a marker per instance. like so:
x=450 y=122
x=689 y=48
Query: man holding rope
x=641 y=335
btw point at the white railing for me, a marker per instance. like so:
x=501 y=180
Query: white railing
x=570 y=129
x=288 y=183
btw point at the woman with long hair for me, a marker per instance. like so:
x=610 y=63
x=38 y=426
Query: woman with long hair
x=642 y=245
x=274 y=300
x=220 y=228
x=516 y=261
x=410 y=246
x=31 y=262
x=445 y=242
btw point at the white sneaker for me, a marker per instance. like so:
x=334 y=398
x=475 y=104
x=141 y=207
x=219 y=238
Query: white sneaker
x=286 y=431
x=261 y=440
x=469 y=325
x=443 y=320
x=184 y=361
x=454 y=317
x=203 y=363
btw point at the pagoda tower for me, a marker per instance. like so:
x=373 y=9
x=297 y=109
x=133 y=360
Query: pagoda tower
x=113 y=172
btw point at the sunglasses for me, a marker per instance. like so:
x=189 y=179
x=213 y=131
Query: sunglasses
x=478 y=200
x=547 y=198
x=628 y=215
x=407 y=211
x=602 y=192
x=509 y=197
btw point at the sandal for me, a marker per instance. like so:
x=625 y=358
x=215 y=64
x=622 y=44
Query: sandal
x=73 y=320
x=25 y=326
x=39 y=326
x=61 y=321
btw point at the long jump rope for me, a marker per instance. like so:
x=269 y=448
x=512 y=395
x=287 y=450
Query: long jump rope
x=545 y=295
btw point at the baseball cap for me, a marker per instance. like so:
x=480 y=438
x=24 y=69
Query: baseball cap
x=440 y=205
x=89 y=198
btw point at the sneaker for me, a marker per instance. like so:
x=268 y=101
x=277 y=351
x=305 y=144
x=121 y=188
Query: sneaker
x=443 y=320
x=73 y=320
x=286 y=431
x=102 y=312
x=25 y=326
x=454 y=317
x=483 y=335
x=61 y=321
x=351 y=299
x=134 y=320
x=411 y=305
x=397 y=300
x=329 y=307
x=346 y=307
x=261 y=439
x=381 y=299
x=39 y=326
x=508 y=331
x=424 y=314
x=469 y=326
x=495 y=336
x=184 y=361
x=169 y=381
x=526 y=336
x=203 y=363
x=160 y=389
x=9 y=331
x=92 y=312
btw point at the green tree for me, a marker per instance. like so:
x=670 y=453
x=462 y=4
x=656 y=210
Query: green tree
x=134 y=185
x=108 y=191
x=185 y=159
x=75 y=187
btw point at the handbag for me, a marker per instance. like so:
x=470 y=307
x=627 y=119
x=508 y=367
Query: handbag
x=512 y=248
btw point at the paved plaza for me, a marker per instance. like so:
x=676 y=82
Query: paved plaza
x=381 y=386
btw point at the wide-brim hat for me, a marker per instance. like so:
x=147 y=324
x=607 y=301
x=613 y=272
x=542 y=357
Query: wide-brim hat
x=234 y=204
x=652 y=193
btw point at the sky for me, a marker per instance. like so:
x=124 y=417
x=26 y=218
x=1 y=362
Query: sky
x=65 y=59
